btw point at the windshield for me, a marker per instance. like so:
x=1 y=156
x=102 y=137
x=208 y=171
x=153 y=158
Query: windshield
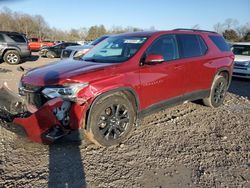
x=241 y=50
x=98 y=40
x=115 y=49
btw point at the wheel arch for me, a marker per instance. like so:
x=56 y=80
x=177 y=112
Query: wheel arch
x=127 y=92
x=11 y=48
x=226 y=73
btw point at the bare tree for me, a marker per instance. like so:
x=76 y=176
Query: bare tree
x=40 y=25
x=243 y=29
x=219 y=28
x=230 y=23
x=82 y=32
x=6 y=19
x=36 y=26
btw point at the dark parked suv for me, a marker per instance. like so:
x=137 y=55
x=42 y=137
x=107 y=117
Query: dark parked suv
x=123 y=78
x=13 y=47
x=56 y=50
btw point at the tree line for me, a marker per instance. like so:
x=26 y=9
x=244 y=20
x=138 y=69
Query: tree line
x=36 y=26
x=233 y=31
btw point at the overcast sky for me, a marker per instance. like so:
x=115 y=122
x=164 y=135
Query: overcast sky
x=162 y=14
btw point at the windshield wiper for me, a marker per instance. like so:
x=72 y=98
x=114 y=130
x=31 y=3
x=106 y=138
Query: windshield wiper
x=90 y=59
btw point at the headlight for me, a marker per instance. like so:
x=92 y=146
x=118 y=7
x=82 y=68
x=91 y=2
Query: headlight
x=81 y=52
x=67 y=91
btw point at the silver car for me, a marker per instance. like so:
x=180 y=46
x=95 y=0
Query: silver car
x=79 y=51
x=242 y=59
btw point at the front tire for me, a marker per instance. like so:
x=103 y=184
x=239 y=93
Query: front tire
x=12 y=57
x=50 y=54
x=111 y=120
x=217 y=93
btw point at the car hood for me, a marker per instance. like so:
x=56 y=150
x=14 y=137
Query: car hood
x=62 y=71
x=241 y=58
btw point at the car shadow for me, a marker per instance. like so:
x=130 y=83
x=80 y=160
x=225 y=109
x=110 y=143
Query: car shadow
x=4 y=70
x=66 y=165
x=31 y=58
x=240 y=86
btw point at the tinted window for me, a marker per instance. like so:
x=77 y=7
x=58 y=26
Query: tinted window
x=98 y=40
x=241 y=50
x=165 y=46
x=203 y=45
x=1 y=38
x=220 y=43
x=68 y=44
x=17 y=38
x=191 y=45
x=33 y=39
x=74 y=44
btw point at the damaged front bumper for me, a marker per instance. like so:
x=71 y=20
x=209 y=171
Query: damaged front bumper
x=55 y=119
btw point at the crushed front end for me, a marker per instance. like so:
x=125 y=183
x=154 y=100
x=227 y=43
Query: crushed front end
x=41 y=114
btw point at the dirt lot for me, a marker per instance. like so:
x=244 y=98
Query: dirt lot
x=185 y=146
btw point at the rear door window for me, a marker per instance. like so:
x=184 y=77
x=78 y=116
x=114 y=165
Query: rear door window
x=220 y=43
x=17 y=38
x=165 y=46
x=191 y=45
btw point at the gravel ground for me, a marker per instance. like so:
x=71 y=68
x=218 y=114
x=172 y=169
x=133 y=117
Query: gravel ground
x=185 y=146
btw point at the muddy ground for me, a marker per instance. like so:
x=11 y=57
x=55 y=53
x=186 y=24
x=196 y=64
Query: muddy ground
x=185 y=146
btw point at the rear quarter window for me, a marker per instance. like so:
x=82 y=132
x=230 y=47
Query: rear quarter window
x=220 y=42
x=17 y=38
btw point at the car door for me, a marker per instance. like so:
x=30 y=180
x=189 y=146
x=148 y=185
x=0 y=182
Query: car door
x=18 y=41
x=162 y=82
x=192 y=50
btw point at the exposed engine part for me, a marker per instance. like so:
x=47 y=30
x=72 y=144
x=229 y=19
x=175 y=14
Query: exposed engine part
x=62 y=113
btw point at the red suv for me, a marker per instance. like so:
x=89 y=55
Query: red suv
x=121 y=79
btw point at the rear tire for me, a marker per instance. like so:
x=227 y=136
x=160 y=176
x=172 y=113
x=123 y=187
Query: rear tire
x=111 y=120
x=217 y=93
x=12 y=57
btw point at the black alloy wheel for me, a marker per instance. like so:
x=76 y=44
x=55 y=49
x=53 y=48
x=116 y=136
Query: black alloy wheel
x=110 y=120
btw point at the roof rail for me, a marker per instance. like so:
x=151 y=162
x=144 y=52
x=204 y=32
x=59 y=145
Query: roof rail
x=194 y=30
x=13 y=32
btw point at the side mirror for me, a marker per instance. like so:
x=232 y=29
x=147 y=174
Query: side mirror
x=154 y=59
